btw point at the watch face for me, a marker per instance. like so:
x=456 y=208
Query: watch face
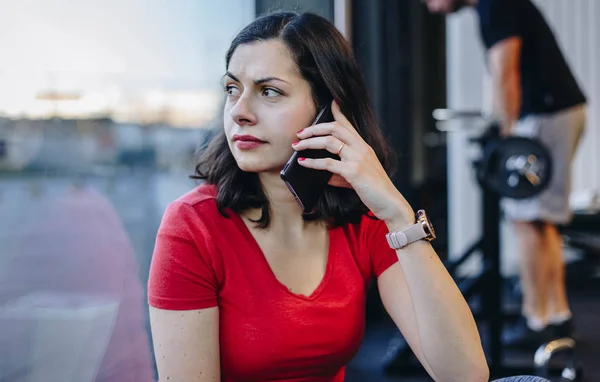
x=427 y=226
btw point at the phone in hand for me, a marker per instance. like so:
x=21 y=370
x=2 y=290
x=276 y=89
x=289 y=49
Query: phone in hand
x=307 y=184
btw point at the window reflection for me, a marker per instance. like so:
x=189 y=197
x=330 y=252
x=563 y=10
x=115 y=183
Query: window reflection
x=102 y=107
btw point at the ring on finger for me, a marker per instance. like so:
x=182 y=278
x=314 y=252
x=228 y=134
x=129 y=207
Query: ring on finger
x=340 y=149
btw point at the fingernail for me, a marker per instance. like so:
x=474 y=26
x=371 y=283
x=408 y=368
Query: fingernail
x=299 y=132
x=295 y=143
x=301 y=159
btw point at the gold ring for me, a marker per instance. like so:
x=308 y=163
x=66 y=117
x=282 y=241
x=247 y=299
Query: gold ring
x=340 y=149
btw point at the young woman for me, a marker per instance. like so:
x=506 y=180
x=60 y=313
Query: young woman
x=243 y=285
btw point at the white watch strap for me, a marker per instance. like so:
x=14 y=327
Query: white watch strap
x=401 y=239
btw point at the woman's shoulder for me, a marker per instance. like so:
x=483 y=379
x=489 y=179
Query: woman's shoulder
x=361 y=233
x=368 y=245
x=201 y=194
x=199 y=205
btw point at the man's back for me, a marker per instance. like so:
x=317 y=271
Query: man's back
x=547 y=83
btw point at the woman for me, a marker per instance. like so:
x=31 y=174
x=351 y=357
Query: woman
x=243 y=286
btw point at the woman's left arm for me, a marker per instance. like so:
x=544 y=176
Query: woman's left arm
x=418 y=292
x=425 y=303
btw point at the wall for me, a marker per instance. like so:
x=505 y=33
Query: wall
x=579 y=36
x=575 y=23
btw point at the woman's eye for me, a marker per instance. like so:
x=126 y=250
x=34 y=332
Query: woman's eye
x=268 y=92
x=231 y=90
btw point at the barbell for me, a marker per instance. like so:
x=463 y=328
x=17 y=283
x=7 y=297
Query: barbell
x=514 y=167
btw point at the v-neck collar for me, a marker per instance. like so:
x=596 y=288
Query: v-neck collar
x=329 y=268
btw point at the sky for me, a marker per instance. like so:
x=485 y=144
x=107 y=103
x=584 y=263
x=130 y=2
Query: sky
x=110 y=45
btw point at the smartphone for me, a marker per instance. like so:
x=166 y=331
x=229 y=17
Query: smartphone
x=306 y=184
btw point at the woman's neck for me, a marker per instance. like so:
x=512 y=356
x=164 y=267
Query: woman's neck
x=284 y=212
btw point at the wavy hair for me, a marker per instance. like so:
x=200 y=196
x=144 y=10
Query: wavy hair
x=326 y=61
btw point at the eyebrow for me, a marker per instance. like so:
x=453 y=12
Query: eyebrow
x=259 y=81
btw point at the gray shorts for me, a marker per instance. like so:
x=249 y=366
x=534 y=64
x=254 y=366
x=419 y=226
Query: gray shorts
x=560 y=132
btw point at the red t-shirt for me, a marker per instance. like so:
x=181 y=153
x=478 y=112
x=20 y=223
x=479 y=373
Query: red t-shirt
x=267 y=333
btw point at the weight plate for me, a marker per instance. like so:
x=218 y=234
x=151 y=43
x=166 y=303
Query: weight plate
x=485 y=165
x=517 y=167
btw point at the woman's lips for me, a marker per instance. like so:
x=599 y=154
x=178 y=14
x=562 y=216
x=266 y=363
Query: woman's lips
x=247 y=142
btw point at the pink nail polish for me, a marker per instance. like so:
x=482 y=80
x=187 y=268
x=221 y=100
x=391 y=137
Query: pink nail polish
x=301 y=159
x=295 y=143
x=300 y=131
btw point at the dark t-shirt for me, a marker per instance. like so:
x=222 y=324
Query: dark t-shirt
x=547 y=83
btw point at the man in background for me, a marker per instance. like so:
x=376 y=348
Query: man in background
x=535 y=94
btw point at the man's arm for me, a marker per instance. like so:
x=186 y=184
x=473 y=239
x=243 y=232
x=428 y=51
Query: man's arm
x=504 y=62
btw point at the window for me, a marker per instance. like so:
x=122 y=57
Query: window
x=102 y=105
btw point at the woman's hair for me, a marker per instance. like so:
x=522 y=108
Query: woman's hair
x=326 y=61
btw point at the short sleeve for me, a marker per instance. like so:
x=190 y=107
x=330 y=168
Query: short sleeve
x=375 y=243
x=498 y=20
x=182 y=275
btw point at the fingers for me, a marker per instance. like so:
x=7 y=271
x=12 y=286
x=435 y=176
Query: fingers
x=329 y=136
x=339 y=116
x=332 y=165
x=343 y=172
x=331 y=128
x=327 y=142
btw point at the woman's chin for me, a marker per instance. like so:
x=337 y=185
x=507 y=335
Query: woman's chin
x=255 y=167
x=259 y=163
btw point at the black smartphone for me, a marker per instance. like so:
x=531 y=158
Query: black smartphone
x=307 y=184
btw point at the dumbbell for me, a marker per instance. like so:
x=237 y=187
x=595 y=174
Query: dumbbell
x=573 y=370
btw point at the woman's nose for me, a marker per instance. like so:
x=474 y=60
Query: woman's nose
x=241 y=112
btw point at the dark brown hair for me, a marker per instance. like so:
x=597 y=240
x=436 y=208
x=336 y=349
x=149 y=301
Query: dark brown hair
x=326 y=61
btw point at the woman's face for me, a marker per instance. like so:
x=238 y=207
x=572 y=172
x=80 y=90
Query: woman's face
x=268 y=102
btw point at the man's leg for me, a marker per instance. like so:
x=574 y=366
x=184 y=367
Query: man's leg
x=533 y=328
x=525 y=217
x=542 y=270
x=559 y=312
x=542 y=274
x=563 y=135
x=534 y=272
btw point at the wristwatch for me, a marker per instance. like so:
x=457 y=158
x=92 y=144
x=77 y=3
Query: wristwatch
x=421 y=230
